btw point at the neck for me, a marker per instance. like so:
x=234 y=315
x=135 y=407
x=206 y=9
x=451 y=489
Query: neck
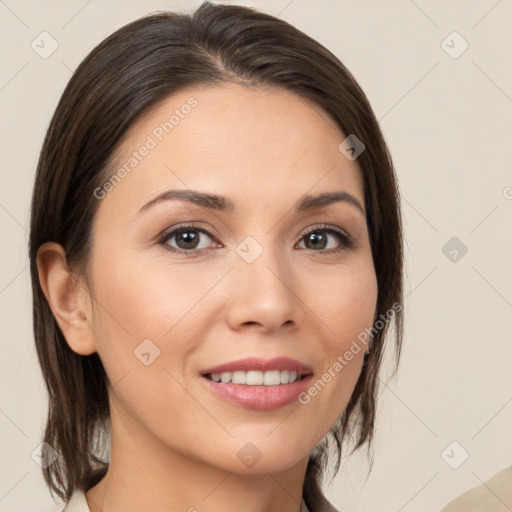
x=146 y=475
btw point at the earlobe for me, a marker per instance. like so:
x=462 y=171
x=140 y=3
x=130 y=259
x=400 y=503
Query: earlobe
x=67 y=297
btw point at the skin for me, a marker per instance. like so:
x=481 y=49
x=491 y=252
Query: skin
x=175 y=443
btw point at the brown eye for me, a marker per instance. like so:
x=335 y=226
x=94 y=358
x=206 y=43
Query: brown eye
x=187 y=240
x=318 y=239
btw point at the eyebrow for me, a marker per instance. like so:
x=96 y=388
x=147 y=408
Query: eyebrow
x=224 y=204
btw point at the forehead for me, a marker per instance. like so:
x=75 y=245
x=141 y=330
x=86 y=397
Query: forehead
x=259 y=145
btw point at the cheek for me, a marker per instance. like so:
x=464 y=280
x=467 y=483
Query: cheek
x=143 y=299
x=347 y=303
x=141 y=327
x=348 y=312
x=353 y=317
x=147 y=306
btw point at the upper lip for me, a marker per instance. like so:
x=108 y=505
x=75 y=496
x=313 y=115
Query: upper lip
x=263 y=365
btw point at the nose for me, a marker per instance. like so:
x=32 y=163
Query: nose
x=263 y=294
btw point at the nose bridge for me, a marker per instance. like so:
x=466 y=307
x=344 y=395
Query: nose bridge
x=263 y=291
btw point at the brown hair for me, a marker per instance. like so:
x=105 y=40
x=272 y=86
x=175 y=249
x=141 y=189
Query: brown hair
x=131 y=71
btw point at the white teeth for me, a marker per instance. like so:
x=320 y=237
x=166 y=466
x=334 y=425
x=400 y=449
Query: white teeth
x=238 y=377
x=272 y=378
x=253 y=378
x=256 y=378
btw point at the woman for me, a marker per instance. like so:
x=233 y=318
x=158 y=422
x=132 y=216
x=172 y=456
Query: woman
x=216 y=258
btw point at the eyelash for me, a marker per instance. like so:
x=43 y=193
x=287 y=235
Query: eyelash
x=346 y=241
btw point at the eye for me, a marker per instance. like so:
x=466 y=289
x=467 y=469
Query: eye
x=317 y=238
x=187 y=239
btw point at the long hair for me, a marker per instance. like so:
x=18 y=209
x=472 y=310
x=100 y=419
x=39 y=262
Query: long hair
x=131 y=71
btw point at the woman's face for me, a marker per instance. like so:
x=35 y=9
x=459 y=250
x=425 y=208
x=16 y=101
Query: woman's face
x=260 y=280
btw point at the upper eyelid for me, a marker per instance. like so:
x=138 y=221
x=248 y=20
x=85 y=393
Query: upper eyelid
x=167 y=232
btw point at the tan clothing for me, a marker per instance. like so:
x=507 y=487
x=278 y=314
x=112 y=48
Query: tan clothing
x=493 y=496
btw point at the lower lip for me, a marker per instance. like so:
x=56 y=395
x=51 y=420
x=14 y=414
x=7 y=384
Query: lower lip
x=259 y=397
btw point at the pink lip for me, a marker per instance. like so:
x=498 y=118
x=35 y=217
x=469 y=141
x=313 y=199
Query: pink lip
x=259 y=397
x=263 y=365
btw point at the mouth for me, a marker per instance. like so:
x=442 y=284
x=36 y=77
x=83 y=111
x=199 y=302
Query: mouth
x=257 y=383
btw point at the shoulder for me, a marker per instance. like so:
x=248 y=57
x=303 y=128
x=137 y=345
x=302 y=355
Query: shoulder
x=77 y=503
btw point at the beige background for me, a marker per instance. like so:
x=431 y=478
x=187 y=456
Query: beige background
x=448 y=122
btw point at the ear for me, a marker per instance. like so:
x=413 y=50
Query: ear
x=67 y=297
